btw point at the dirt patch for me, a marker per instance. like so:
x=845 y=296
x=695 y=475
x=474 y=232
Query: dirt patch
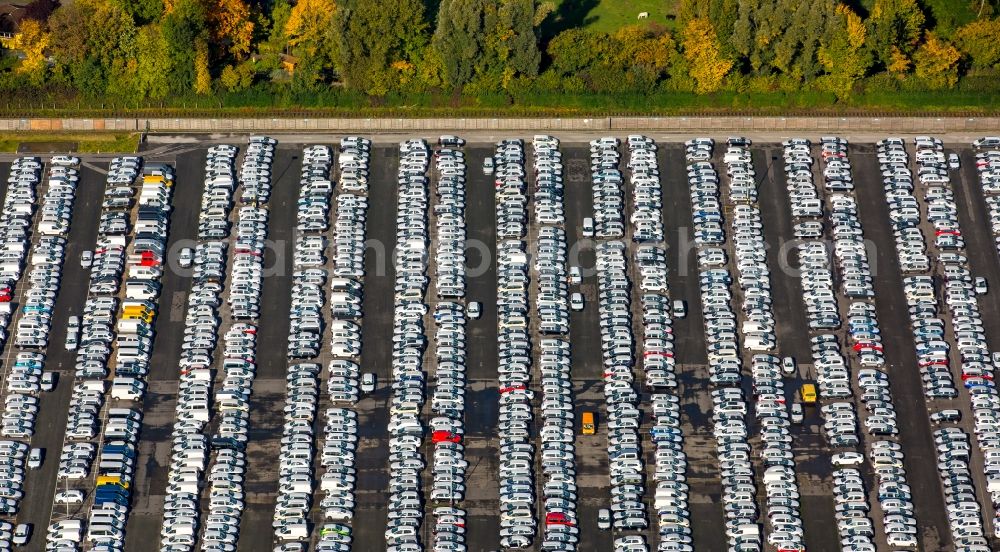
x=46 y=147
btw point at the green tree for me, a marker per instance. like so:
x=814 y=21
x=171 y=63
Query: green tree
x=202 y=75
x=517 y=46
x=377 y=41
x=183 y=27
x=844 y=55
x=936 y=62
x=894 y=29
x=458 y=39
x=143 y=11
x=981 y=40
x=153 y=63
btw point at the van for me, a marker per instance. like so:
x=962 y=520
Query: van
x=292 y=532
x=587 y=423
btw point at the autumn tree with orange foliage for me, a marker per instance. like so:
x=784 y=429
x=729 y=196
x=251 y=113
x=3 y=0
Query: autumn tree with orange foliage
x=701 y=50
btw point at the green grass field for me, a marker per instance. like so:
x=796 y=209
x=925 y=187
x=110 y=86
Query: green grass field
x=609 y=15
x=97 y=142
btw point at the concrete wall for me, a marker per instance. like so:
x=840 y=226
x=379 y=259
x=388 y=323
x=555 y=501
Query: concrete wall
x=985 y=125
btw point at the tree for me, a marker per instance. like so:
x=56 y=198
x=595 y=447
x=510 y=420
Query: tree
x=936 y=62
x=517 y=46
x=458 y=39
x=491 y=42
x=32 y=41
x=143 y=11
x=981 y=41
x=310 y=26
x=203 y=78
x=844 y=55
x=895 y=24
x=183 y=27
x=372 y=37
x=701 y=50
x=152 y=64
x=230 y=26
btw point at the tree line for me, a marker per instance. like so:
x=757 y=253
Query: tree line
x=159 y=50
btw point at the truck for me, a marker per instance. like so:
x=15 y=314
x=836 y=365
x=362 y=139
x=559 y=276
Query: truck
x=587 y=425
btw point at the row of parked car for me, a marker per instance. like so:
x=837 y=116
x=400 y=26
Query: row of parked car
x=447 y=428
x=608 y=188
x=98 y=334
x=255 y=172
x=964 y=513
x=550 y=258
x=118 y=452
x=558 y=453
x=35 y=322
x=23 y=376
x=227 y=473
x=854 y=524
x=405 y=500
x=929 y=331
x=740 y=170
x=802 y=191
x=248 y=262
x=518 y=525
x=671 y=495
x=729 y=407
x=511 y=200
x=306 y=326
x=189 y=443
x=449 y=256
x=296 y=455
x=548 y=196
x=904 y=211
x=340 y=431
x=751 y=262
x=116 y=469
x=17 y=221
x=780 y=485
x=703 y=189
x=987 y=163
x=975 y=362
x=647 y=197
x=625 y=459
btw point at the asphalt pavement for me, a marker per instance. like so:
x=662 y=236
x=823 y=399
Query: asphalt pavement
x=269 y=392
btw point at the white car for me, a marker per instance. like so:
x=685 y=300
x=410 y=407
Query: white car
x=475 y=310
x=848 y=459
x=788 y=366
x=86 y=258
x=576 y=301
x=981 y=285
x=368 y=382
x=185 y=257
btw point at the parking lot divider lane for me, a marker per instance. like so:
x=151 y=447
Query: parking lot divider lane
x=514 y=346
x=232 y=402
x=23 y=372
x=970 y=347
x=670 y=492
x=119 y=428
x=189 y=443
x=558 y=454
x=409 y=344
x=725 y=365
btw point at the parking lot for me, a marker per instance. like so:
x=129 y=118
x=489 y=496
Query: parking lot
x=694 y=440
